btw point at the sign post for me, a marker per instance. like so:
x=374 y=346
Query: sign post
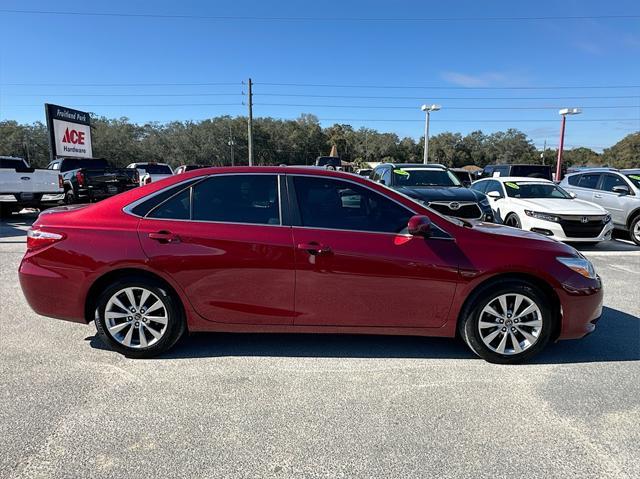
x=69 y=132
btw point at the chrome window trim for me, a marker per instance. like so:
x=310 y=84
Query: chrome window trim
x=127 y=209
x=413 y=212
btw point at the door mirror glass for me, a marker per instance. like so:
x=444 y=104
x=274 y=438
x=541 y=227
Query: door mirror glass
x=621 y=189
x=419 y=225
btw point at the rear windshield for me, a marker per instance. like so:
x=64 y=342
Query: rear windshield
x=156 y=169
x=420 y=177
x=517 y=189
x=13 y=163
x=77 y=163
x=532 y=171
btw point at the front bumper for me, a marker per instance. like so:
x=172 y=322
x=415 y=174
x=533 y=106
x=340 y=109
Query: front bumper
x=556 y=231
x=582 y=301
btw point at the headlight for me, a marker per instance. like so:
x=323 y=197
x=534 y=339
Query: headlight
x=581 y=266
x=543 y=216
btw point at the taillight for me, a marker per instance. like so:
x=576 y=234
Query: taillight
x=37 y=239
x=147 y=180
x=136 y=177
x=80 y=178
x=60 y=182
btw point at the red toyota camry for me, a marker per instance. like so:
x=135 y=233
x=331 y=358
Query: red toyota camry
x=301 y=250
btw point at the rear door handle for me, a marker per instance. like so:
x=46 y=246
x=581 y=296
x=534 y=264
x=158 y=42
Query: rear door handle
x=597 y=196
x=164 y=237
x=314 y=248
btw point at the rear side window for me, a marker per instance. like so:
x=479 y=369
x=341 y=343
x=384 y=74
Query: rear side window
x=336 y=204
x=143 y=208
x=177 y=207
x=237 y=199
x=589 y=181
x=573 y=180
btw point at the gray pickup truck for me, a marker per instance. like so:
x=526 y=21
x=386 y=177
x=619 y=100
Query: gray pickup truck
x=618 y=191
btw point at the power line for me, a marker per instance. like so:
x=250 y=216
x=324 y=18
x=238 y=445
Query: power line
x=448 y=107
x=123 y=84
x=383 y=97
x=507 y=120
x=323 y=19
x=440 y=87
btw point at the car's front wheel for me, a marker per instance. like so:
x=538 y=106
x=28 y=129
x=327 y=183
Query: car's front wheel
x=513 y=220
x=508 y=322
x=139 y=318
x=634 y=231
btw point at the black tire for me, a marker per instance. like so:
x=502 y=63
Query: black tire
x=175 y=327
x=471 y=315
x=5 y=212
x=513 y=220
x=634 y=230
x=69 y=197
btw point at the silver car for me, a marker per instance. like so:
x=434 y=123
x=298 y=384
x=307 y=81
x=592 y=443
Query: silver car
x=618 y=191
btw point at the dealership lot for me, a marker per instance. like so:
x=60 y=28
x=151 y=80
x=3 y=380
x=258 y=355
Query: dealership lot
x=222 y=405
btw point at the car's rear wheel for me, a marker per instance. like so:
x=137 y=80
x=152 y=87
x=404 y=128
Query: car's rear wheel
x=513 y=220
x=139 y=318
x=508 y=322
x=634 y=231
x=69 y=197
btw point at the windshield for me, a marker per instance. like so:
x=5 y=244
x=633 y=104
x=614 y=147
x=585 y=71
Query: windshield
x=634 y=178
x=535 y=190
x=534 y=171
x=156 y=169
x=423 y=177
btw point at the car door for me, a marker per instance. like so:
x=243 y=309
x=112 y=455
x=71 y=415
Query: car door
x=587 y=186
x=611 y=201
x=353 y=268
x=498 y=205
x=222 y=240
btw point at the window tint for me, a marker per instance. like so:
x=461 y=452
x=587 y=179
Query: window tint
x=375 y=175
x=609 y=181
x=573 y=180
x=237 y=199
x=589 y=181
x=480 y=186
x=494 y=186
x=178 y=207
x=145 y=207
x=335 y=204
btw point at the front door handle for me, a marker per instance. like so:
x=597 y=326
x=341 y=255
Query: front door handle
x=314 y=248
x=164 y=237
x=597 y=196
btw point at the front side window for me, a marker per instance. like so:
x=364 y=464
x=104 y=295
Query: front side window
x=335 y=204
x=237 y=199
x=609 y=181
x=493 y=185
x=589 y=181
x=480 y=186
x=386 y=176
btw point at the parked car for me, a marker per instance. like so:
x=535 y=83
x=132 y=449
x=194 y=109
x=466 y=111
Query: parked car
x=465 y=177
x=308 y=250
x=366 y=172
x=435 y=186
x=618 y=191
x=24 y=187
x=533 y=171
x=184 y=168
x=329 y=162
x=543 y=207
x=92 y=179
x=150 y=171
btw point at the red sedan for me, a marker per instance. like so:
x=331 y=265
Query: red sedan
x=301 y=250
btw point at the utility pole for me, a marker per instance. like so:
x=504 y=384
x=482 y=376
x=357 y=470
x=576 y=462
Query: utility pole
x=563 y=113
x=427 y=109
x=231 y=143
x=250 y=125
x=544 y=150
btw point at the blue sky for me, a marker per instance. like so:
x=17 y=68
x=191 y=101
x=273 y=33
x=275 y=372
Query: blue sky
x=163 y=69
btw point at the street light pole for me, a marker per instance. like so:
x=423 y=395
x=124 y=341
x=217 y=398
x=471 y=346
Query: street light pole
x=563 y=113
x=427 y=109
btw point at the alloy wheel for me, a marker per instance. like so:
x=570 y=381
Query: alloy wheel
x=136 y=317
x=636 y=232
x=510 y=324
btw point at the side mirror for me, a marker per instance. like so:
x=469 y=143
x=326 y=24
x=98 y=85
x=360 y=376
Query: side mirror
x=494 y=194
x=621 y=189
x=419 y=225
x=573 y=195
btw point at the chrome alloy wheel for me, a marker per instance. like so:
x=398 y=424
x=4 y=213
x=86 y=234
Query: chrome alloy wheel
x=136 y=317
x=510 y=324
x=636 y=231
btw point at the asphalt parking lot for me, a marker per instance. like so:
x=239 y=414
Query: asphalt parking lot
x=223 y=405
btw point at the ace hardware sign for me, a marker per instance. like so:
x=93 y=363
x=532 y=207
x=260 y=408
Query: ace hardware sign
x=69 y=132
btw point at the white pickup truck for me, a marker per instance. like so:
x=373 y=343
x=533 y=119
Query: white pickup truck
x=24 y=187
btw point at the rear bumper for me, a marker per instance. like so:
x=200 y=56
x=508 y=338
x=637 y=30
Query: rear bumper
x=34 y=201
x=102 y=192
x=581 y=307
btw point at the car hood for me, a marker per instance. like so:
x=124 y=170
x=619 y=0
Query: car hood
x=560 y=206
x=441 y=193
x=507 y=234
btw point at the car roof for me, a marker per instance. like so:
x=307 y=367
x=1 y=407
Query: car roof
x=513 y=179
x=630 y=170
x=602 y=169
x=428 y=166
